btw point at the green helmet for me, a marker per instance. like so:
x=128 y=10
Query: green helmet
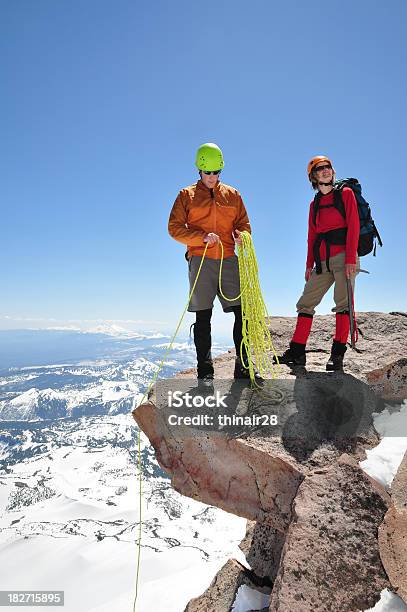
x=209 y=157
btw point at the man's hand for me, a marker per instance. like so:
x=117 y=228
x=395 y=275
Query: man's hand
x=350 y=270
x=236 y=237
x=211 y=238
x=308 y=272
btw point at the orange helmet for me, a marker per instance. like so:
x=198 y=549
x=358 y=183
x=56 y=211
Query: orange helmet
x=316 y=160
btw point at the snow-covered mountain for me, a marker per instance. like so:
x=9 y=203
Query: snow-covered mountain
x=74 y=390
x=69 y=497
x=112 y=329
x=69 y=489
x=78 y=387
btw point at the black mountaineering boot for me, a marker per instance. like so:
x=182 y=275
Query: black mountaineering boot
x=203 y=342
x=240 y=371
x=335 y=362
x=243 y=373
x=294 y=356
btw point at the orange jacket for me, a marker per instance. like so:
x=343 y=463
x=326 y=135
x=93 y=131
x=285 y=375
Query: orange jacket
x=198 y=211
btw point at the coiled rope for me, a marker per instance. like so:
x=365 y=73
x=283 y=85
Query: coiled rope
x=256 y=342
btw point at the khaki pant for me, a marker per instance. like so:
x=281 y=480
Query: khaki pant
x=318 y=284
x=207 y=286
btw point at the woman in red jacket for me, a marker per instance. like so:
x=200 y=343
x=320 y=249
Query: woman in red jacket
x=332 y=248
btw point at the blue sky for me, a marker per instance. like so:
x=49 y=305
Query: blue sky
x=104 y=103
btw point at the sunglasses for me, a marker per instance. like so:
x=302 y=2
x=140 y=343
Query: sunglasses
x=216 y=172
x=327 y=167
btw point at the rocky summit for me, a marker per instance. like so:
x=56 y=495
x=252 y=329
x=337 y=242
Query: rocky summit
x=321 y=535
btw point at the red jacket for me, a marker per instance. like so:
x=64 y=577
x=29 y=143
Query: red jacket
x=198 y=211
x=330 y=219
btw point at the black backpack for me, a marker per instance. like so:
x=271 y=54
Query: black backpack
x=368 y=231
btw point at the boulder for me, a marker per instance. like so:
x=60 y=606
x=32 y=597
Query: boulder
x=221 y=593
x=244 y=477
x=330 y=559
x=393 y=534
x=390 y=381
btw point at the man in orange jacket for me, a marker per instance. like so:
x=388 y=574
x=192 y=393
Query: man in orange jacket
x=207 y=213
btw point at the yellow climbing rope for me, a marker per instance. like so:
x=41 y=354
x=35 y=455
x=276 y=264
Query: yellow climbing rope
x=256 y=342
x=169 y=347
x=256 y=339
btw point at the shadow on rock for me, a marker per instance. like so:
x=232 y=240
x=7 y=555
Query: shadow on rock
x=331 y=410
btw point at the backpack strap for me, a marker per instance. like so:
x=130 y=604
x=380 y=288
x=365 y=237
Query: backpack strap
x=334 y=236
x=315 y=206
x=338 y=200
x=377 y=235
